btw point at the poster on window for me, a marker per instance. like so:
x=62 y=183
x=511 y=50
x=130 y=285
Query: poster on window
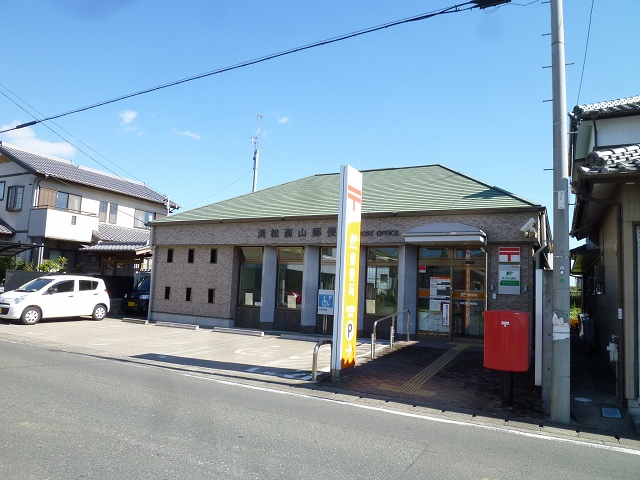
x=248 y=298
x=439 y=286
x=509 y=279
x=445 y=314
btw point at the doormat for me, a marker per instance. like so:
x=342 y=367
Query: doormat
x=608 y=412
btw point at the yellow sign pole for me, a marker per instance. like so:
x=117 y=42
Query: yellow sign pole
x=345 y=325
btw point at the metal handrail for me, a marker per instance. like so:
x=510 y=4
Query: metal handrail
x=392 y=331
x=314 y=368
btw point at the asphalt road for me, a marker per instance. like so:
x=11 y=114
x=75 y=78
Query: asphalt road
x=69 y=415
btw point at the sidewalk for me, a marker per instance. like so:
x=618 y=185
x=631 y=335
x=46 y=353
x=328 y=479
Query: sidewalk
x=451 y=377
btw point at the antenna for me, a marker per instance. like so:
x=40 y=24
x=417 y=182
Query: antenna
x=256 y=153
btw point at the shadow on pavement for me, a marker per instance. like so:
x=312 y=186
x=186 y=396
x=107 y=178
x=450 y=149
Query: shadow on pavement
x=227 y=366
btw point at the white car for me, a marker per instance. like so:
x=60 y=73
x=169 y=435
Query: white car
x=54 y=296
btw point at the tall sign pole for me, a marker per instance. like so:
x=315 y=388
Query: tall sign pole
x=560 y=349
x=345 y=325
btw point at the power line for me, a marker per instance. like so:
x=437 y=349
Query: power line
x=66 y=131
x=455 y=8
x=586 y=47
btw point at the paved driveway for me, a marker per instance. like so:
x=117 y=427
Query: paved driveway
x=205 y=348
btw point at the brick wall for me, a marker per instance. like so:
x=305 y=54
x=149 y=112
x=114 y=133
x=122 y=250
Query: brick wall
x=502 y=229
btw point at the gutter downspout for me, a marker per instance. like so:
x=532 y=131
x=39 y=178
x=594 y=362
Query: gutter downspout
x=35 y=196
x=544 y=246
x=153 y=273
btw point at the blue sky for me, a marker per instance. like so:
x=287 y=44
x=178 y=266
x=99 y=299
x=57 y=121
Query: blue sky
x=466 y=90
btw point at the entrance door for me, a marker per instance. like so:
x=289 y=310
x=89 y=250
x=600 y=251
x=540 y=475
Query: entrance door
x=468 y=302
x=434 y=299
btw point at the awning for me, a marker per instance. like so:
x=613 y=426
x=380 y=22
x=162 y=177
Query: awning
x=116 y=247
x=584 y=257
x=9 y=249
x=445 y=233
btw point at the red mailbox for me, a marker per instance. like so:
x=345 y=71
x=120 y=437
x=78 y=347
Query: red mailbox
x=507 y=338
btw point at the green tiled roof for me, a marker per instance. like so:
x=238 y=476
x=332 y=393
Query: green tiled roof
x=428 y=188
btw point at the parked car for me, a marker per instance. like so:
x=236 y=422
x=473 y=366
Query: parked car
x=55 y=296
x=137 y=300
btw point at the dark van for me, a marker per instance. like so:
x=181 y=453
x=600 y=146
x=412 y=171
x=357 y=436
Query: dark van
x=137 y=301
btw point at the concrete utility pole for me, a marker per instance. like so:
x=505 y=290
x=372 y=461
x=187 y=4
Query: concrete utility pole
x=560 y=356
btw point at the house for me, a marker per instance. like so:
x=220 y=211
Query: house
x=605 y=156
x=435 y=242
x=54 y=208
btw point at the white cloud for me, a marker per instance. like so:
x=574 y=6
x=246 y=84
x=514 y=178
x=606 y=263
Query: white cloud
x=189 y=134
x=127 y=116
x=283 y=120
x=26 y=138
x=126 y=119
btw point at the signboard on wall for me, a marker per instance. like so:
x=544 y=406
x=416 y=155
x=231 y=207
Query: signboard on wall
x=509 y=279
x=509 y=254
x=345 y=326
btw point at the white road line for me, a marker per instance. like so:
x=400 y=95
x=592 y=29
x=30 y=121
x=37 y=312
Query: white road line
x=539 y=436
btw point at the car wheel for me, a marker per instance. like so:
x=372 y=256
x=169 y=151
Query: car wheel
x=31 y=315
x=99 y=312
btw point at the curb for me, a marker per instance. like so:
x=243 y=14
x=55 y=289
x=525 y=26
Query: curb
x=178 y=325
x=239 y=331
x=139 y=321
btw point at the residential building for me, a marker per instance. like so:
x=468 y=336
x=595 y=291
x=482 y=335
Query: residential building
x=605 y=156
x=53 y=208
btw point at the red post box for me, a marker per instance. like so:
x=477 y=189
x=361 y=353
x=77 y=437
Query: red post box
x=507 y=339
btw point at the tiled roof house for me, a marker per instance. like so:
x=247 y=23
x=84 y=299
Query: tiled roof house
x=605 y=156
x=52 y=207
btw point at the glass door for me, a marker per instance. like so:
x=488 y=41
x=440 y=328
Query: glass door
x=468 y=302
x=434 y=299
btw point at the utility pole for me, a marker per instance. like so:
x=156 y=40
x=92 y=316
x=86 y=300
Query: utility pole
x=561 y=347
x=256 y=154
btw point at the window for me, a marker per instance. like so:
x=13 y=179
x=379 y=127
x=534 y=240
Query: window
x=68 y=201
x=328 y=257
x=382 y=280
x=2 y=190
x=191 y=254
x=212 y=296
x=170 y=255
x=87 y=285
x=250 y=290
x=433 y=253
x=49 y=198
x=64 y=286
x=289 y=281
x=187 y=295
x=141 y=218
x=167 y=293
x=14 y=198
x=102 y=214
x=113 y=213
x=469 y=252
x=214 y=256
